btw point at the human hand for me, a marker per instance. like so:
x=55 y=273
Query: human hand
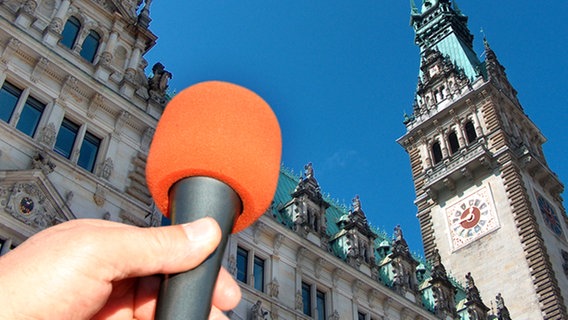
x=96 y=269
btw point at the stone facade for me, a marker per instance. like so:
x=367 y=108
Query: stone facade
x=91 y=90
x=482 y=183
x=81 y=115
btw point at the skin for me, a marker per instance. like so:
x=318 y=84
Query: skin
x=96 y=269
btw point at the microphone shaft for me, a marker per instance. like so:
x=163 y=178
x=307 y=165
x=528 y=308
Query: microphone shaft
x=188 y=295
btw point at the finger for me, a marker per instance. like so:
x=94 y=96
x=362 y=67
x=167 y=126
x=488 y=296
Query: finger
x=146 y=297
x=227 y=292
x=217 y=314
x=148 y=251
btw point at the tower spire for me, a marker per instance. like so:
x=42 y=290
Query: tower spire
x=413 y=8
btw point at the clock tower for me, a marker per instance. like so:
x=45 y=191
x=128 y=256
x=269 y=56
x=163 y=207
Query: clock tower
x=487 y=201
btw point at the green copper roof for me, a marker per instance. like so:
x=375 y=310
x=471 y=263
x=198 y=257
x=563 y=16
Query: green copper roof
x=460 y=54
x=335 y=213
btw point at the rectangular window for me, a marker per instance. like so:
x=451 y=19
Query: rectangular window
x=66 y=138
x=242 y=262
x=306 y=299
x=30 y=116
x=9 y=96
x=320 y=304
x=258 y=274
x=88 y=152
x=361 y=315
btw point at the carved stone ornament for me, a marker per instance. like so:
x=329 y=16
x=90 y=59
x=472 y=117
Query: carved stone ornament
x=56 y=25
x=299 y=303
x=42 y=161
x=257 y=229
x=334 y=316
x=47 y=135
x=105 y=59
x=274 y=288
x=30 y=7
x=274 y=312
x=106 y=168
x=257 y=312
x=233 y=266
x=278 y=239
x=28 y=204
x=99 y=196
x=565 y=262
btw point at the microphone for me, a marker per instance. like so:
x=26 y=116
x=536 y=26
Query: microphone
x=215 y=153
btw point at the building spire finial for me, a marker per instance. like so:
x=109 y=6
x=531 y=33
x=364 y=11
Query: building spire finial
x=456 y=8
x=413 y=8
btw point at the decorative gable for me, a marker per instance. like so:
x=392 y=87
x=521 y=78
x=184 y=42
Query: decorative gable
x=30 y=197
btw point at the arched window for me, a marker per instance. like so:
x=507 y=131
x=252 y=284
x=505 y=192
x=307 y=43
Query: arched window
x=437 y=152
x=470 y=132
x=90 y=46
x=70 y=32
x=453 y=140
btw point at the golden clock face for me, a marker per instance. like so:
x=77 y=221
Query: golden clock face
x=471 y=218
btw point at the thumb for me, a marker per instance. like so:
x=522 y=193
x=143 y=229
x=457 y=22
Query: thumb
x=146 y=251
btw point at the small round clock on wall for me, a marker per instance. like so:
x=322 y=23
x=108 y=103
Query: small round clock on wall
x=548 y=214
x=471 y=218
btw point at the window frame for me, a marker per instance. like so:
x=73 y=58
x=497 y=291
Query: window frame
x=436 y=149
x=82 y=133
x=250 y=272
x=470 y=133
x=72 y=21
x=315 y=291
x=89 y=50
x=453 y=142
x=19 y=113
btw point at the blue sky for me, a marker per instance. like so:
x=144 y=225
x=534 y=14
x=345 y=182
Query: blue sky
x=340 y=74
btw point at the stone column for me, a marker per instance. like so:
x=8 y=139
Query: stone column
x=104 y=70
x=6 y=246
x=52 y=33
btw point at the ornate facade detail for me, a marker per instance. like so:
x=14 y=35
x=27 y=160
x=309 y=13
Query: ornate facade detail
x=96 y=103
x=121 y=121
x=257 y=312
x=105 y=59
x=99 y=196
x=274 y=312
x=442 y=289
x=274 y=288
x=301 y=255
x=335 y=276
x=147 y=138
x=564 y=261
x=257 y=229
x=41 y=65
x=47 y=135
x=42 y=161
x=29 y=7
x=307 y=207
x=232 y=268
x=403 y=264
x=106 y=168
x=476 y=309
x=56 y=25
x=158 y=83
x=299 y=303
x=502 y=311
x=277 y=243
x=318 y=266
x=334 y=315
x=29 y=204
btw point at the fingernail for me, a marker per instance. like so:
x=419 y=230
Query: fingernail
x=200 y=230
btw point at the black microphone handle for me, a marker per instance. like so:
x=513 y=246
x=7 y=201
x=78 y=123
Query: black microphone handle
x=188 y=295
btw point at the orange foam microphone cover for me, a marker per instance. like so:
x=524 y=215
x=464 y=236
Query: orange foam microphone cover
x=223 y=131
